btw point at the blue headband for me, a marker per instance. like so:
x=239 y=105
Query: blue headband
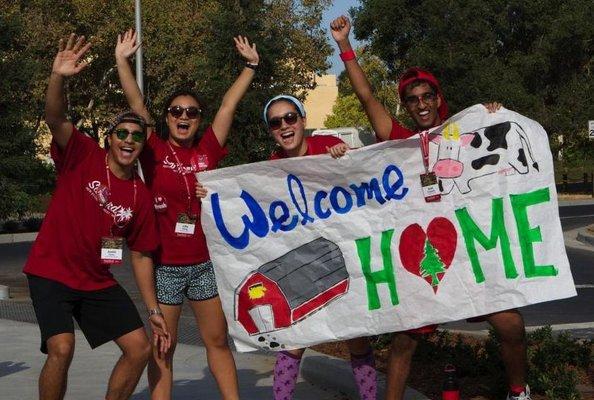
x=290 y=99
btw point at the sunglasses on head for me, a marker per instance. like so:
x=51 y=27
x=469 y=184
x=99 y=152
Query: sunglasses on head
x=427 y=97
x=290 y=118
x=122 y=134
x=191 y=112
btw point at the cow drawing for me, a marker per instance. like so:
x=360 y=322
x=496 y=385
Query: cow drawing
x=498 y=149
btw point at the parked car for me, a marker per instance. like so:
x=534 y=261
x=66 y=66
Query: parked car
x=353 y=137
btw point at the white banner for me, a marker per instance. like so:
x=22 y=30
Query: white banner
x=312 y=249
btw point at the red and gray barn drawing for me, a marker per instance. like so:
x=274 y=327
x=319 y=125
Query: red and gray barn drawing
x=498 y=149
x=288 y=289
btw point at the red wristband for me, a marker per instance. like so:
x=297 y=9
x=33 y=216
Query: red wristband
x=348 y=55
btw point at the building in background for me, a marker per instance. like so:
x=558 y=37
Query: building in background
x=319 y=101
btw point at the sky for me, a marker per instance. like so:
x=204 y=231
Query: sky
x=338 y=8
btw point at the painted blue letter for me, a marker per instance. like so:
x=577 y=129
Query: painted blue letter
x=258 y=225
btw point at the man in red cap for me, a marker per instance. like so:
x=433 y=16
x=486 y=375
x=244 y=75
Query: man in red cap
x=423 y=98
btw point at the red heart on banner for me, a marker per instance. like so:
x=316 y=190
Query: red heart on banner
x=430 y=254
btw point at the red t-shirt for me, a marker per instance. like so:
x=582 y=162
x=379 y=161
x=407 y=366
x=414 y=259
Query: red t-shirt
x=165 y=166
x=398 y=132
x=315 y=145
x=81 y=212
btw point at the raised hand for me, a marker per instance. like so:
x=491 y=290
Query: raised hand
x=67 y=61
x=249 y=53
x=492 y=107
x=340 y=28
x=126 y=45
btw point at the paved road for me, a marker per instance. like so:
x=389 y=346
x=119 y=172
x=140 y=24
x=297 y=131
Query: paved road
x=578 y=310
x=577 y=313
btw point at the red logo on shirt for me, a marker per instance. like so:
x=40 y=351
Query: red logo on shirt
x=121 y=215
x=160 y=203
x=199 y=162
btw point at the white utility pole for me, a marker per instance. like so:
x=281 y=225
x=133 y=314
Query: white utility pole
x=139 y=77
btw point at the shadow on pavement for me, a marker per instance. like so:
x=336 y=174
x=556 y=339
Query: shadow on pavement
x=11 y=367
x=207 y=388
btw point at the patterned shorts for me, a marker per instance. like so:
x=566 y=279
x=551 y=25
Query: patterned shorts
x=196 y=282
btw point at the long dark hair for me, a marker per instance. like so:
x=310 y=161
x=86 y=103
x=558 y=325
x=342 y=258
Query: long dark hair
x=163 y=130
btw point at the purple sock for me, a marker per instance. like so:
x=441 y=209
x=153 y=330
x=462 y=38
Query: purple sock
x=365 y=375
x=286 y=371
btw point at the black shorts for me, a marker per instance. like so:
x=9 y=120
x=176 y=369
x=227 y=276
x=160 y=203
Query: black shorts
x=103 y=315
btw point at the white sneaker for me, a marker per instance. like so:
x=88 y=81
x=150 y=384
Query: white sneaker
x=525 y=395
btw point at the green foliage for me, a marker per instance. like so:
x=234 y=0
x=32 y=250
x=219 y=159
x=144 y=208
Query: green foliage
x=10 y=226
x=553 y=361
x=185 y=43
x=348 y=110
x=32 y=224
x=533 y=56
x=22 y=174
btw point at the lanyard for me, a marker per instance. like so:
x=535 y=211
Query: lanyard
x=425 y=149
x=183 y=175
x=109 y=187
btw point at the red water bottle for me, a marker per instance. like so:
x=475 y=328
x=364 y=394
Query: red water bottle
x=451 y=386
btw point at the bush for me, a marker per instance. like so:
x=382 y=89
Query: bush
x=554 y=361
x=10 y=226
x=32 y=224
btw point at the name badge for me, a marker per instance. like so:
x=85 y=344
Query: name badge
x=430 y=187
x=112 y=249
x=185 y=225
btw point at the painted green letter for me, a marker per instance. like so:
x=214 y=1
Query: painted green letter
x=527 y=235
x=385 y=275
x=472 y=232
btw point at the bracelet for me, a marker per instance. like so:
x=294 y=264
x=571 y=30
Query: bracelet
x=348 y=55
x=251 y=65
x=155 y=311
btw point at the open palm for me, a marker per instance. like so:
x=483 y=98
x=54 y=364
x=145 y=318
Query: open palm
x=126 y=45
x=249 y=53
x=67 y=61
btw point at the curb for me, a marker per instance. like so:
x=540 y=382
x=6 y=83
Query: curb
x=328 y=371
x=586 y=235
x=18 y=237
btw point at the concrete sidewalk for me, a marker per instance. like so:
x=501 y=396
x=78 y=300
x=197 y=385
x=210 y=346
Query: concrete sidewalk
x=21 y=362
x=322 y=377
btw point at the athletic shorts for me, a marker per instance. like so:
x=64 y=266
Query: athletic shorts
x=174 y=282
x=102 y=315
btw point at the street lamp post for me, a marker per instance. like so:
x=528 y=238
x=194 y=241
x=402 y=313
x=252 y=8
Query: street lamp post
x=139 y=77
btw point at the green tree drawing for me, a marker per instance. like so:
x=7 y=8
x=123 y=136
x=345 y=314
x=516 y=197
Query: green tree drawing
x=431 y=265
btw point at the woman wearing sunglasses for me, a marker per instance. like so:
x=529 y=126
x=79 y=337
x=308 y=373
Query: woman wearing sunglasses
x=183 y=267
x=285 y=118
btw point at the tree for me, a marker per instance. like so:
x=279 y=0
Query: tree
x=22 y=174
x=187 y=43
x=533 y=56
x=348 y=110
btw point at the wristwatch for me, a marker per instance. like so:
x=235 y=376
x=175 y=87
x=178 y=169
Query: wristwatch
x=155 y=311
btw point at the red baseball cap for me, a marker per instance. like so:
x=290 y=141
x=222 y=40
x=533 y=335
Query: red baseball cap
x=418 y=74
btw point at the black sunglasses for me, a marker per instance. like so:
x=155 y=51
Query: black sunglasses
x=191 y=112
x=290 y=118
x=427 y=97
x=137 y=136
